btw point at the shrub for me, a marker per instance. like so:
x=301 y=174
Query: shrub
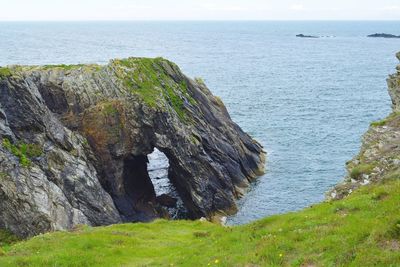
x=199 y=80
x=379 y=123
x=357 y=171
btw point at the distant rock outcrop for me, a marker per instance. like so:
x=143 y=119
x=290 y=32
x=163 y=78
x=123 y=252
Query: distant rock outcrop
x=383 y=35
x=75 y=139
x=379 y=157
x=306 y=36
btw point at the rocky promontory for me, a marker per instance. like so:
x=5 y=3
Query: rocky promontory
x=75 y=139
x=379 y=157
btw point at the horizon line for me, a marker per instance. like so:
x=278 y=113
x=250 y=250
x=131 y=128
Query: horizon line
x=211 y=20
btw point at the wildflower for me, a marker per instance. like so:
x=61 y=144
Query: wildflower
x=216 y=261
x=280 y=255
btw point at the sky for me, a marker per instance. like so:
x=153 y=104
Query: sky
x=78 y=10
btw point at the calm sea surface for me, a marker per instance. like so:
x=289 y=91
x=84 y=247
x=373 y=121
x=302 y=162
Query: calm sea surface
x=308 y=101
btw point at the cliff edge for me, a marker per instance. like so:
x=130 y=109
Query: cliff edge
x=75 y=140
x=379 y=156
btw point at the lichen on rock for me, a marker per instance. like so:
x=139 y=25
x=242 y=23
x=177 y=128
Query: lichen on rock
x=96 y=125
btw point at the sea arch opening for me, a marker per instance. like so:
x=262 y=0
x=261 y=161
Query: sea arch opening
x=167 y=195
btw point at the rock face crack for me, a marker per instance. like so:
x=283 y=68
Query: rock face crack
x=88 y=129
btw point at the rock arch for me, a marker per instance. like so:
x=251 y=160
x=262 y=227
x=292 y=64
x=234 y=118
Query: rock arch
x=96 y=126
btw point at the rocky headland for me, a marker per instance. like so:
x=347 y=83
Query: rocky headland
x=379 y=156
x=74 y=141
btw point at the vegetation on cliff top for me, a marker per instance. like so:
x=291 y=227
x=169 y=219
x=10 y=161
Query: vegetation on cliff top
x=4 y=72
x=145 y=77
x=15 y=69
x=149 y=79
x=361 y=230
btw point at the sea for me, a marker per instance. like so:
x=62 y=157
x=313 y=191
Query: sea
x=306 y=100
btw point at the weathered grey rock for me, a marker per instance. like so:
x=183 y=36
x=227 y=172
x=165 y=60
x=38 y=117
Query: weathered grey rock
x=394 y=88
x=167 y=201
x=95 y=126
x=5 y=130
x=379 y=156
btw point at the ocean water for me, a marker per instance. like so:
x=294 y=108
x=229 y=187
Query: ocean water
x=308 y=101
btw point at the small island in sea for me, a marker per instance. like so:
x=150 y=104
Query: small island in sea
x=384 y=35
x=306 y=36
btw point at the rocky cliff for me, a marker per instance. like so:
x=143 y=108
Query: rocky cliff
x=379 y=157
x=75 y=139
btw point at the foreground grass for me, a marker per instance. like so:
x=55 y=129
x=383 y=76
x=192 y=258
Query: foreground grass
x=361 y=230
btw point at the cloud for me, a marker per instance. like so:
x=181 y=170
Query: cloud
x=297 y=7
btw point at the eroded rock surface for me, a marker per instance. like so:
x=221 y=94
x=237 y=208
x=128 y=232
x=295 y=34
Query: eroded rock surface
x=379 y=157
x=75 y=141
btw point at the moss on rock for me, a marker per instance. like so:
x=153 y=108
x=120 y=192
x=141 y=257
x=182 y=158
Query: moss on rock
x=5 y=72
x=148 y=79
x=24 y=152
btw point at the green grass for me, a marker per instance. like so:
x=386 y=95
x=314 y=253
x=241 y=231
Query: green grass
x=4 y=72
x=385 y=121
x=148 y=79
x=24 y=152
x=63 y=66
x=6 y=240
x=378 y=123
x=8 y=71
x=71 y=67
x=361 y=230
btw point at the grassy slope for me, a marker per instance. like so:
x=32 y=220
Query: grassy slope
x=361 y=230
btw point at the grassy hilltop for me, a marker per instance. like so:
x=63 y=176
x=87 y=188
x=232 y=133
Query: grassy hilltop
x=361 y=230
